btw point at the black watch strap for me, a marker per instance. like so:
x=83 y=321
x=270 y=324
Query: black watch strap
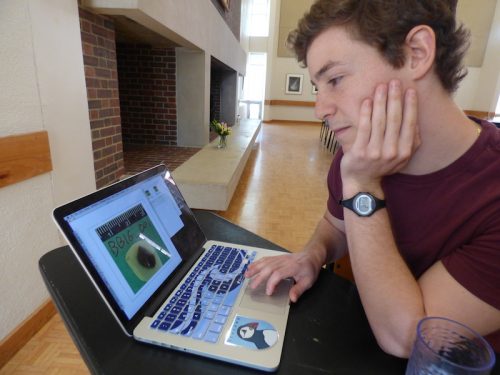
x=363 y=204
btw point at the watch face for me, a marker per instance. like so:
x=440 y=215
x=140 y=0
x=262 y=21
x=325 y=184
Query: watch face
x=364 y=204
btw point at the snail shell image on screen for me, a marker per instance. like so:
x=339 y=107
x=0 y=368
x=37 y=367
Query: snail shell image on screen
x=143 y=260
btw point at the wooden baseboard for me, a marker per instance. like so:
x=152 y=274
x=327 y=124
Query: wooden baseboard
x=289 y=103
x=293 y=122
x=480 y=114
x=10 y=345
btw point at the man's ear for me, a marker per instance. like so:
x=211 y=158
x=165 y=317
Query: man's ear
x=420 y=51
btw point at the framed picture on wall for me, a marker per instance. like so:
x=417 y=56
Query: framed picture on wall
x=294 y=84
x=314 y=89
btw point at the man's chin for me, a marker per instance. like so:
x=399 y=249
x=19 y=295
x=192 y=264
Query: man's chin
x=345 y=147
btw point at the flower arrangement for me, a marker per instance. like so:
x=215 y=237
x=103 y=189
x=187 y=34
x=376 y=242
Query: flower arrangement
x=220 y=128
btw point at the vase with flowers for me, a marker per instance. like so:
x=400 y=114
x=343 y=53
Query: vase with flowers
x=222 y=130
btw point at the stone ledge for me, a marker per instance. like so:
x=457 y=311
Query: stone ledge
x=209 y=178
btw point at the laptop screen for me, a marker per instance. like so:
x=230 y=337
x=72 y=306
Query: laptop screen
x=129 y=235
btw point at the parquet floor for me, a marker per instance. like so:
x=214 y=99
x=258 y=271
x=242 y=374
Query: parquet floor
x=282 y=192
x=281 y=196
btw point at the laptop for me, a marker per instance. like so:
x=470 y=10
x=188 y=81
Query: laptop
x=164 y=282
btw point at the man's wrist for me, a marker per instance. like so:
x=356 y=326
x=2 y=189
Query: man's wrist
x=318 y=254
x=351 y=188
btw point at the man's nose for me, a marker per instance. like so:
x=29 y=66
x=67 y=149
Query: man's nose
x=323 y=107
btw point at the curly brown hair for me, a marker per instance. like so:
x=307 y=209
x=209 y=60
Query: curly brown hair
x=385 y=24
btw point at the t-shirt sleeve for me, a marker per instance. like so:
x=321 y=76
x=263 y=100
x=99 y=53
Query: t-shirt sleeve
x=476 y=265
x=334 y=182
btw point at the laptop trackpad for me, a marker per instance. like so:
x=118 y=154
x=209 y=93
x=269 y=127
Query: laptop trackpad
x=258 y=299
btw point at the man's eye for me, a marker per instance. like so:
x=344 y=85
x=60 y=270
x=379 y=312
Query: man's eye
x=335 y=81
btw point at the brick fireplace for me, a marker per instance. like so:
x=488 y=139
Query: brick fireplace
x=131 y=93
x=147 y=75
x=221 y=95
x=222 y=92
x=101 y=77
x=147 y=94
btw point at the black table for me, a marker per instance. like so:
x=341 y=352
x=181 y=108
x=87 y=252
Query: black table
x=327 y=330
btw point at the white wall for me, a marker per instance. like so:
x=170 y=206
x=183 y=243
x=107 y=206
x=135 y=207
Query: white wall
x=488 y=87
x=270 y=49
x=42 y=88
x=193 y=97
x=479 y=91
x=465 y=96
x=278 y=68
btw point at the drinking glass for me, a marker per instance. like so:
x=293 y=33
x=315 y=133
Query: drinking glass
x=444 y=346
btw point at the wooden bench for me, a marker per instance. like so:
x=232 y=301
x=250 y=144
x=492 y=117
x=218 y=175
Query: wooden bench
x=209 y=178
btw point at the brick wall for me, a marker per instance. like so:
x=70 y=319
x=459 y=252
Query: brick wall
x=215 y=87
x=147 y=94
x=99 y=57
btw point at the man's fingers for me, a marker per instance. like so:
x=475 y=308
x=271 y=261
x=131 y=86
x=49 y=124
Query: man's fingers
x=364 y=127
x=394 y=119
x=379 y=116
x=298 y=289
x=263 y=275
x=409 y=138
x=277 y=276
x=270 y=269
x=262 y=263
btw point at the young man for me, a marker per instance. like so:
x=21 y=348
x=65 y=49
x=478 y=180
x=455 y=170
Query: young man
x=415 y=190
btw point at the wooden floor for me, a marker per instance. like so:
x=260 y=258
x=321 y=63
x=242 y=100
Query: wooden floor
x=281 y=196
x=282 y=192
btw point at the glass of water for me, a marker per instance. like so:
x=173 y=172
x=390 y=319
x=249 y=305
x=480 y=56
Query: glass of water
x=444 y=346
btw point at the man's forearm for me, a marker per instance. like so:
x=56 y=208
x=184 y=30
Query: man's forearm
x=327 y=242
x=390 y=294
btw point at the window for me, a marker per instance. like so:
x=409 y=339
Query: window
x=254 y=86
x=259 y=18
x=255 y=79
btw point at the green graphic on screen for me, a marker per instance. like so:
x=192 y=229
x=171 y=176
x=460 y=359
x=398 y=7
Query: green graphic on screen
x=135 y=246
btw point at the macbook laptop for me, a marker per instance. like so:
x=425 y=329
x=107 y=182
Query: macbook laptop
x=164 y=282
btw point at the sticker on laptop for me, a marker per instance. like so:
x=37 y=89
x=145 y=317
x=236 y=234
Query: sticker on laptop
x=252 y=333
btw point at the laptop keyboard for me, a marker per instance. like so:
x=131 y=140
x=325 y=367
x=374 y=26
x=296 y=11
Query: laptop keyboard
x=201 y=306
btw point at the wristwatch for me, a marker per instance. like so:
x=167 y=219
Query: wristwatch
x=363 y=204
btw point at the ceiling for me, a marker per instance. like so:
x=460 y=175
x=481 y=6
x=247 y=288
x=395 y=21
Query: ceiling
x=129 y=31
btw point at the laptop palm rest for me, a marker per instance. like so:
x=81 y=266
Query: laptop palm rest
x=258 y=299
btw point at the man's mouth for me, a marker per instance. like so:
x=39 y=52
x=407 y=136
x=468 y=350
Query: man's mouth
x=339 y=130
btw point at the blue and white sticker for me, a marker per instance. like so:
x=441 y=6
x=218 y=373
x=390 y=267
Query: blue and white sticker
x=252 y=333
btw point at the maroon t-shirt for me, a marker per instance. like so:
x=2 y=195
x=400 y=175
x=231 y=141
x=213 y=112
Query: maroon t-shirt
x=452 y=215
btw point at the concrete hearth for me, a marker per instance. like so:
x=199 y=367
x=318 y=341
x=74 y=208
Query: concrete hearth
x=209 y=178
